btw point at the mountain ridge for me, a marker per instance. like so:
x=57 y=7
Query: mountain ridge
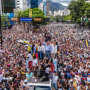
x=55 y=6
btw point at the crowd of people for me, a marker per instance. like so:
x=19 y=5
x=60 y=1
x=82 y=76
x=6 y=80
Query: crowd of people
x=32 y=54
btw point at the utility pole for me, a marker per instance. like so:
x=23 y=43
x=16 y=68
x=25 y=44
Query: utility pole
x=0 y=24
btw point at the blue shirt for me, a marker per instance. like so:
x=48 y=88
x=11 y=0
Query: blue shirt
x=29 y=76
x=47 y=47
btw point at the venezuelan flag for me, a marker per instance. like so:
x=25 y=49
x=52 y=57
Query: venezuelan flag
x=86 y=44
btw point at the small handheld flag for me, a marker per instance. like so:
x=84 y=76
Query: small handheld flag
x=86 y=44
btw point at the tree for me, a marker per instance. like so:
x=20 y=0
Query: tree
x=59 y=18
x=76 y=9
x=19 y=14
x=87 y=12
x=37 y=13
x=68 y=17
x=83 y=9
x=4 y=20
x=52 y=18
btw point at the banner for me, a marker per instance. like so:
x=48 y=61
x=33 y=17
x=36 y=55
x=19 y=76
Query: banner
x=26 y=19
x=30 y=13
x=37 y=19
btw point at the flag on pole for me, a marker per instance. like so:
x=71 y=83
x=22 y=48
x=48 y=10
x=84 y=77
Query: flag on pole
x=86 y=44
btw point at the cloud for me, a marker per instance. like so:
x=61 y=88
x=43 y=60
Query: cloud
x=63 y=2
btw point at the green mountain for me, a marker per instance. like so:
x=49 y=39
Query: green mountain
x=56 y=6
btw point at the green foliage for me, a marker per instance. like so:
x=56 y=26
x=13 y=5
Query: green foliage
x=78 y=21
x=4 y=19
x=52 y=18
x=59 y=18
x=19 y=14
x=87 y=12
x=36 y=13
x=83 y=9
x=79 y=8
x=68 y=17
x=88 y=23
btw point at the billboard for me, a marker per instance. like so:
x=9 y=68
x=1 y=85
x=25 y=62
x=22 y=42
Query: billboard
x=37 y=19
x=26 y=19
x=10 y=15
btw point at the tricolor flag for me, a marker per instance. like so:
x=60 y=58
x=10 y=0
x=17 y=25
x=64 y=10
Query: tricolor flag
x=86 y=44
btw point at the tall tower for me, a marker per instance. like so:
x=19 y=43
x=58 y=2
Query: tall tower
x=47 y=7
x=44 y=7
x=8 y=6
x=40 y=4
x=34 y=3
x=0 y=8
x=22 y=4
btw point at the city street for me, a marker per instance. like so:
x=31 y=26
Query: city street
x=28 y=53
x=44 y=44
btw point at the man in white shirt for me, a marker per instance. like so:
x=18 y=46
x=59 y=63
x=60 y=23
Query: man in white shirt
x=54 y=81
x=29 y=56
x=35 y=62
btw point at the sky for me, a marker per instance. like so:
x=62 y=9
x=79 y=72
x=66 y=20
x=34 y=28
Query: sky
x=63 y=2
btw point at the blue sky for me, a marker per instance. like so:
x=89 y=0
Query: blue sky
x=64 y=2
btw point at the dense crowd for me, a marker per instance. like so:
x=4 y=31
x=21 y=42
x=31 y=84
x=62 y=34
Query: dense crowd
x=25 y=54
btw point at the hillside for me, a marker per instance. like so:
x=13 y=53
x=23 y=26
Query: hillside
x=56 y=6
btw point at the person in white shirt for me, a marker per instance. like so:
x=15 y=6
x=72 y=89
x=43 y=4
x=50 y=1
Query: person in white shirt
x=54 y=49
x=35 y=64
x=54 y=81
x=29 y=58
x=35 y=61
x=40 y=51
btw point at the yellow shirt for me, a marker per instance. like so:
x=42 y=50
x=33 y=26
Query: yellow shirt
x=75 y=85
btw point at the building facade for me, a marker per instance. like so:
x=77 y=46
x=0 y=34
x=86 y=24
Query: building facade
x=40 y=4
x=64 y=12
x=47 y=8
x=34 y=4
x=22 y=4
x=44 y=7
x=8 y=6
x=0 y=8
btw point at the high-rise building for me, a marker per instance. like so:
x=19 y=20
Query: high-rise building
x=22 y=4
x=47 y=7
x=8 y=6
x=25 y=4
x=0 y=8
x=34 y=3
x=40 y=4
x=44 y=7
